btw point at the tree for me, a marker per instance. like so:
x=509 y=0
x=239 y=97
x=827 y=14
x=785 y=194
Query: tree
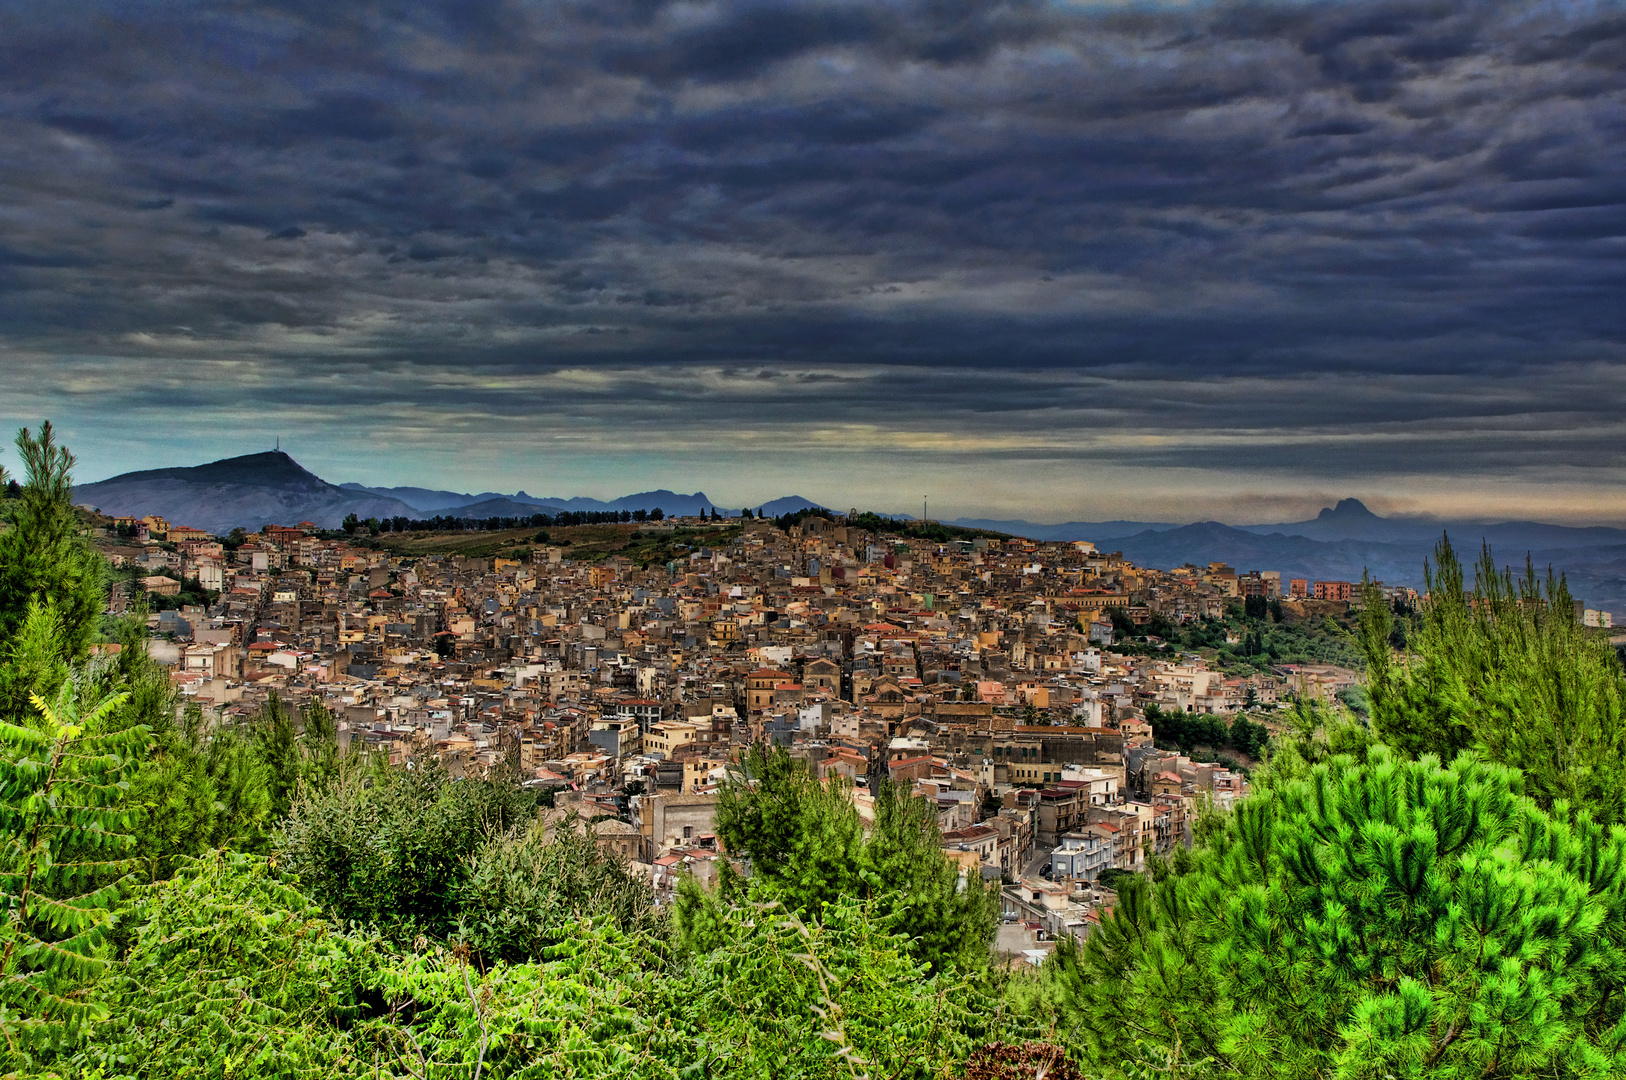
x=1506 y=671
x=1388 y=918
x=392 y=847
x=62 y=845
x=319 y=745
x=656 y=515
x=807 y=850
x=277 y=746
x=228 y=970
x=1248 y=737
x=45 y=561
x=800 y=833
x=529 y=890
x=842 y=996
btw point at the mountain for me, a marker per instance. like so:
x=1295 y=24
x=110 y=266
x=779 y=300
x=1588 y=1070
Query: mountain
x=1067 y=530
x=1294 y=556
x=1348 y=520
x=669 y=503
x=425 y=500
x=787 y=505
x=501 y=506
x=432 y=501
x=1351 y=520
x=250 y=491
x=1596 y=575
x=1347 y=539
x=272 y=488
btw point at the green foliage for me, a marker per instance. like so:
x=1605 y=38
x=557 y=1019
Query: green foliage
x=229 y=971
x=1187 y=731
x=841 y=997
x=1268 y=638
x=199 y=792
x=192 y=594
x=391 y=846
x=43 y=558
x=1317 y=732
x=62 y=845
x=276 y=743
x=807 y=850
x=320 y=761
x=1507 y=671
x=525 y=892
x=1393 y=918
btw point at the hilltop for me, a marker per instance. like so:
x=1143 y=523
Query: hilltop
x=249 y=491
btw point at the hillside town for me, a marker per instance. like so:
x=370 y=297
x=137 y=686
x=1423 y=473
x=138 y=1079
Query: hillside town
x=987 y=674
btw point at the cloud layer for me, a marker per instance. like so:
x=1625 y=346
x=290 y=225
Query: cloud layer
x=1100 y=256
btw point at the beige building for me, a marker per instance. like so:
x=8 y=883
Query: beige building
x=669 y=736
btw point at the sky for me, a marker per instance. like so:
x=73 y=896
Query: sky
x=1042 y=260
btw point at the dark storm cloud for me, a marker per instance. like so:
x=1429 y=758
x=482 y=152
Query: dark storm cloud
x=1004 y=197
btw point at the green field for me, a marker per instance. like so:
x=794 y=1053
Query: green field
x=581 y=543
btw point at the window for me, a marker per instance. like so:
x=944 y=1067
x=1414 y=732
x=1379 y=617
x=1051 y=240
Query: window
x=688 y=832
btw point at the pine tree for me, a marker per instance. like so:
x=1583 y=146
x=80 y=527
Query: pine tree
x=1505 y=670
x=799 y=833
x=1394 y=918
x=319 y=745
x=921 y=893
x=807 y=849
x=63 y=841
x=277 y=746
x=43 y=557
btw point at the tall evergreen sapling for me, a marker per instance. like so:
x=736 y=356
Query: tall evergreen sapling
x=46 y=563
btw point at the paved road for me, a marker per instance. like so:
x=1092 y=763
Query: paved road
x=1041 y=855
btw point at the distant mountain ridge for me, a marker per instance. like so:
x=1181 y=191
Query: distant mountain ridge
x=254 y=490
x=1348 y=520
x=493 y=504
x=1347 y=539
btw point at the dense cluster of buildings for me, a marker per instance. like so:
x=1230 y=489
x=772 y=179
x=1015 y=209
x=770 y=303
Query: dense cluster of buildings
x=981 y=673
